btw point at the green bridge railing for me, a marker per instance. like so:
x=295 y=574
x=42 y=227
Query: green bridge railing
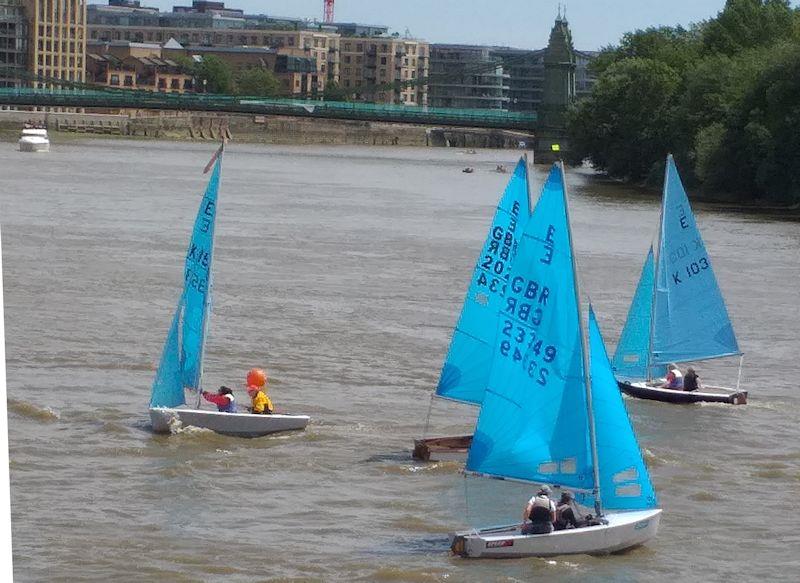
x=138 y=99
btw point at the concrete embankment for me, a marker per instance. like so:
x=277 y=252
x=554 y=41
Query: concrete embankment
x=260 y=129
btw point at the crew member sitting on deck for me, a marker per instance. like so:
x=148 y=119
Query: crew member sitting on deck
x=674 y=378
x=540 y=512
x=691 y=382
x=565 y=513
x=223 y=399
x=256 y=383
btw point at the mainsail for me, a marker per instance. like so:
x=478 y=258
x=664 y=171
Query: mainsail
x=466 y=368
x=182 y=357
x=624 y=481
x=690 y=321
x=533 y=423
x=633 y=350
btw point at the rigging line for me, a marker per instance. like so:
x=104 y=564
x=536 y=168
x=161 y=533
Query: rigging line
x=428 y=418
x=739 y=377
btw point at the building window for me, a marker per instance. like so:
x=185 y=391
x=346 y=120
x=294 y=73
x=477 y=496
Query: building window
x=383 y=60
x=128 y=80
x=173 y=84
x=114 y=80
x=359 y=47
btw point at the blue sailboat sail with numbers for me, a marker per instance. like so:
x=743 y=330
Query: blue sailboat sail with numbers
x=552 y=412
x=678 y=313
x=181 y=365
x=465 y=371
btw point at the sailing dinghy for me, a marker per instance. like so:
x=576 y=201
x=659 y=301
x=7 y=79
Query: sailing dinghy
x=466 y=367
x=182 y=357
x=677 y=313
x=552 y=412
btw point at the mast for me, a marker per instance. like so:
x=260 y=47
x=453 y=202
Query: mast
x=656 y=259
x=207 y=300
x=585 y=356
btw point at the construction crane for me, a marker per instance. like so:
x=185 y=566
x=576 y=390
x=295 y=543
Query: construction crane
x=328 y=11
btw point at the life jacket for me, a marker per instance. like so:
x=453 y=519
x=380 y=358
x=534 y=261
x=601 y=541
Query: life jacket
x=677 y=379
x=541 y=510
x=230 y=407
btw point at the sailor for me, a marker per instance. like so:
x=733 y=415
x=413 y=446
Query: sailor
x=223 y=399
x=691 y=382
x=674 y=378
x=256 y=388
x=539 y=513
x=565 y=512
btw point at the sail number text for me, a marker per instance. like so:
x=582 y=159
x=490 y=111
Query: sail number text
x=498 y=253
x=522 y=346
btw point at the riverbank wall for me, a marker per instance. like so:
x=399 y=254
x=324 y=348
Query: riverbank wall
x=170 y=125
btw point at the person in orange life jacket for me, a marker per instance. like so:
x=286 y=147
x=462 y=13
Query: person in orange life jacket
x=223 y=399
x=691 y=382
x=674 y=378
x=540 y=512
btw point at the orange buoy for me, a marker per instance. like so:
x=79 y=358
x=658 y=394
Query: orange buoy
x=256 y=377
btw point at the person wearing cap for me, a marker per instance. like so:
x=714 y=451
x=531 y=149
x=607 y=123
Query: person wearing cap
x=223 y=399
x=539 y=513
x=256 y=388
x=674 y=378
x=565 y=512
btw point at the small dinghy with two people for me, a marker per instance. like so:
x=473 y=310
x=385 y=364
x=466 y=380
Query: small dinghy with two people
x=466 y=366
x=181 y=366
x=677 y=314
x=552 y=413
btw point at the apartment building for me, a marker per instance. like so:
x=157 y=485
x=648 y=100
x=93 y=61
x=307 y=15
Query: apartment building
x=56 y=39
x=467 y=76
x=385 y=69
x=13 y=42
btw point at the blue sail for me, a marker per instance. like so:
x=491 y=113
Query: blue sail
x=182 y=358
x=633 y=349
x=466 y=367
x=624 y=481
x=690 y=318
x=533 y=423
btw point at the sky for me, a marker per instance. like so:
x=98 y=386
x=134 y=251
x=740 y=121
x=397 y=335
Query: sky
x=517 y=23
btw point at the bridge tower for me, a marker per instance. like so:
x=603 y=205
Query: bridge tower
x=328 y=11
x=559 y=88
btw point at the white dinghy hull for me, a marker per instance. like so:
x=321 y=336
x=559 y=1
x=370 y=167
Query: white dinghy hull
x=624 y=530
x=165 y=420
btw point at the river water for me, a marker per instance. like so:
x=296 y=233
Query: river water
x=341 y=271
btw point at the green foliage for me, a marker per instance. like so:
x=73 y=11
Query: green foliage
x=722 y=96
x=675 y=46
x=213 y=75
x=334 y=92
x=621 y=126
x=257 y=82
x=745 y=24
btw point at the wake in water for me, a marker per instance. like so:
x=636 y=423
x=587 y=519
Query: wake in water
x=31 y=411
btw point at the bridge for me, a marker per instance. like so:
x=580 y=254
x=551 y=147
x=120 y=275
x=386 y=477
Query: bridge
x=138 y=99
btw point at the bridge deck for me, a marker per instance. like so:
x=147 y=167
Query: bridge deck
x=133 y=99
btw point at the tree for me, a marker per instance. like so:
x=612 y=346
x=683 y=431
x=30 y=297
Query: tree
x=213 y=75
x=675 y=46
x=335 y=92
x=744 y=24
x=257 y=82
x=623 y=126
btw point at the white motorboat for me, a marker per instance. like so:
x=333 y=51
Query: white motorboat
x=34 y=140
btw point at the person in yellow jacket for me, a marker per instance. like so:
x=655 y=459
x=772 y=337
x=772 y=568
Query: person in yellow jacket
x=256 y=388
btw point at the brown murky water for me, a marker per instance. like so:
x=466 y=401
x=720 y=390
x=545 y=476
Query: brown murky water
x=341 y=270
